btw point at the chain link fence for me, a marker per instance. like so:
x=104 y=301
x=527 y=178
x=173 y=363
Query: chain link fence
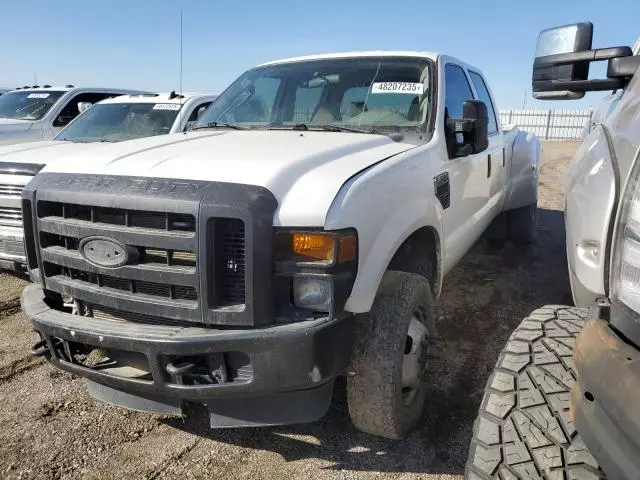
x=548 y=124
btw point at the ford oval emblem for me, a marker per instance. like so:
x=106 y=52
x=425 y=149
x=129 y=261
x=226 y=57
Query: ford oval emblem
x=106 y=252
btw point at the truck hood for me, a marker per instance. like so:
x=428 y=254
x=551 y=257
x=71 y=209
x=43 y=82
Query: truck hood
x=10 y=125
x=304 y=170
x=42 y=152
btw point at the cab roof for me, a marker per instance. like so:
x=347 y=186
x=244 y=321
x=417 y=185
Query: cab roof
x=158 y=97
x=69 y=88
x=371 y=54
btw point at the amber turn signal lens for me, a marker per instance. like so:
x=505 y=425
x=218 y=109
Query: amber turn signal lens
x=348 y=248
x=314 y=246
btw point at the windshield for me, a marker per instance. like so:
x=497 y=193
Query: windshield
x=27 y=104
x=115 y=122
x=374 y=93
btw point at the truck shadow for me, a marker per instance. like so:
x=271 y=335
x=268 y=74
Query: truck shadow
x=483 y=299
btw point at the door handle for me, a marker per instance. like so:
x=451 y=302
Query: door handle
x=488 y=165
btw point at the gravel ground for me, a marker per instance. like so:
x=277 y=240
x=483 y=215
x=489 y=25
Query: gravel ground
x=52 y=429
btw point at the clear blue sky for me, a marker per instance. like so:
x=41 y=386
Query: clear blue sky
x=134 y=43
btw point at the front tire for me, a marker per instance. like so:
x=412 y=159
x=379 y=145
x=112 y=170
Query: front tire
x=386 y=389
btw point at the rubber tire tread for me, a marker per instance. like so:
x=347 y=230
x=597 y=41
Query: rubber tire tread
x=375 y=374
x=523 y=429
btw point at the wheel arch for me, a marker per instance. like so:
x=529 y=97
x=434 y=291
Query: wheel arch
x=420 y=253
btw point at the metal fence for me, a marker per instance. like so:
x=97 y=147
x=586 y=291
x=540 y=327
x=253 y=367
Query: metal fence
x=548 y=124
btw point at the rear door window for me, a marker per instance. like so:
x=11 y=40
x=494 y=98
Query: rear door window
x=483 y=94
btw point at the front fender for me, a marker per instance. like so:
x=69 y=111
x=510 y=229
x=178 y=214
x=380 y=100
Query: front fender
x=385 y=204
x=522 y=183
x=590 y=196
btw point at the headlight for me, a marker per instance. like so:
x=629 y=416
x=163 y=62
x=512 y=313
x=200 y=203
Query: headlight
x=314 y=293
x=625 y=274
x=318 y=267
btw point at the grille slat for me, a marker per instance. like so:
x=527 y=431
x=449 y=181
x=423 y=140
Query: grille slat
x=8 y=190
x=10 y=216
x=135 y=287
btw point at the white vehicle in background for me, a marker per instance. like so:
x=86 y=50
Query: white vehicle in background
x=112 y=120
x=29 y=114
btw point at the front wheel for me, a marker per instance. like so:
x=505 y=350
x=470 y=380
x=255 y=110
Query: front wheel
x=386 y=388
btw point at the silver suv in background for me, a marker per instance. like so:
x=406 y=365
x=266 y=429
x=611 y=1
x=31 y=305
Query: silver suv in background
x=116 y=119
x=36 y=113
x=562 y=401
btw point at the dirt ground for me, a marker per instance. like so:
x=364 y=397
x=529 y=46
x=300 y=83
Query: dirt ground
x=50 y=428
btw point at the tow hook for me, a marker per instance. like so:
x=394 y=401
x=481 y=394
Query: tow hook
x=40 y=349
x=212 y=368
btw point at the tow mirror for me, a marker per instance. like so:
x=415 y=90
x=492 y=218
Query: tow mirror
x=473 y=127
x=201 y=110
x=83 y=106
x=561 y=66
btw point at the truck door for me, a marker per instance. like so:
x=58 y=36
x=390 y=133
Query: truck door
x=466 y=217
x=496 y=161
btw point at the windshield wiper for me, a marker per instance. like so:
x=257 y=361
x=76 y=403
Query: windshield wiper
x=340 y=128
x=218 y=125
x=326 y=128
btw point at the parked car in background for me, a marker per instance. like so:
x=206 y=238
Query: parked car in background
x=299 y=231
x=116 y=119
x=563 y=401
x=29 y=114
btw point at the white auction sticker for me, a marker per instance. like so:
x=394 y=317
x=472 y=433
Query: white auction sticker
x=398 y=87
x=38 y=95
x=167 y=106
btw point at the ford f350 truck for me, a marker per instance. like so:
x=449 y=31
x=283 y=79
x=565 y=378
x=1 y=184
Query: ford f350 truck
x=564 y=398
x=112 y=120
x=298 y=232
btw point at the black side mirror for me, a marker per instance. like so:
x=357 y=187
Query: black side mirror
x=561 y=66
x=474 y=128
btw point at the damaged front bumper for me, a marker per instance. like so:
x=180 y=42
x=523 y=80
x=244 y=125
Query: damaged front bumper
x=255 y=376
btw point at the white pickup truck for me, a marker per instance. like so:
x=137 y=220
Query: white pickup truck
x=112 y=120
x=36 y=113
x=300 y=231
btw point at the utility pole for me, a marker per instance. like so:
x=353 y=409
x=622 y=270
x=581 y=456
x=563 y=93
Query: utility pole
x=524 y=98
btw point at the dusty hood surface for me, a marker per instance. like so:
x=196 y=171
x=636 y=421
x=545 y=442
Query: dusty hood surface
x=304 y=170
x=42 y=152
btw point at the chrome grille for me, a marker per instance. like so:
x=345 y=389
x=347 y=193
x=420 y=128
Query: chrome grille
x=11 y=217
x=8 y=190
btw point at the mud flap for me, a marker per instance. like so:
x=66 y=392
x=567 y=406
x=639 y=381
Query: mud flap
x=303 y=406
x=138 y=402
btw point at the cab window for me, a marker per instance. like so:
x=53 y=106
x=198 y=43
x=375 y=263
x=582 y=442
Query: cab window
x=70 y=110
x=457 y=90
x=483 y=95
